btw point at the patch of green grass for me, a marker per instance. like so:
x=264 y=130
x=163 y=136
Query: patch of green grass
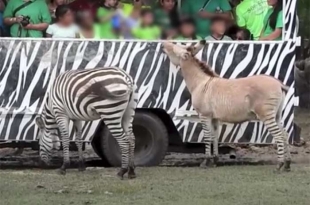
x=241 y=185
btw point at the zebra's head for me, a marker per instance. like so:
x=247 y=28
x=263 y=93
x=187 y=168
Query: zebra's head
x=48 y=140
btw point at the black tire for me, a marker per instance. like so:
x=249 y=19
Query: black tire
x=151 y=141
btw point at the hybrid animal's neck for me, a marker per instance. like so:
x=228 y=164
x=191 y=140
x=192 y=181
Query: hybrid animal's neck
x=193 y=74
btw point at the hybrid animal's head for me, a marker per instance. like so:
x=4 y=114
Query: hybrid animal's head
x=179 y=53
x=48 y=138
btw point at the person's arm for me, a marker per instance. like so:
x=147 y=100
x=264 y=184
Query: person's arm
x=277 y=32
x=38 y=27
x=224 y=6
x=274 y=35
x=8 y=17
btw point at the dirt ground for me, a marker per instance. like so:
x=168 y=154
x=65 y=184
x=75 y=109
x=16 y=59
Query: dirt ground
x=178 y=180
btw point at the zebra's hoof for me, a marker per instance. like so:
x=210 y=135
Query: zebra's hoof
x=121 y=173
x=206 y=163
x=215 y=161
x=287 y=166
x=131 y=173
x=132 y=176
x=61 y=172
x=279 y=166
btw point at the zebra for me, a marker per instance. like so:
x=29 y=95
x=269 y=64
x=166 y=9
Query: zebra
x=109 y=94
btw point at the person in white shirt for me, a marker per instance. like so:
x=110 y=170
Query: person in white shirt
x=64 y=26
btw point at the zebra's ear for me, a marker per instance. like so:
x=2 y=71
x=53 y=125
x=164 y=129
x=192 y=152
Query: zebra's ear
x=39 y=122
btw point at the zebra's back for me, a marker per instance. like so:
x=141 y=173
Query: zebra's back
x=79 y=92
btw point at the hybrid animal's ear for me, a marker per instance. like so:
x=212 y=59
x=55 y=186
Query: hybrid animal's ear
x=185 y=56
x=39 y=122
x=199 y=46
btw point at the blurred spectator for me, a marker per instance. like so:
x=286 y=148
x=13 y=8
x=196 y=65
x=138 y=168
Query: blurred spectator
x=243 y=34
x=129 y=23
x=52 y=6
x=204 y=10
x=167 y=17
x=105 y=14
x=218 y=29
x=187 y=30
x=85 y=21
x=127 y=8
x=250 y=14
x=147 y=30
x=27 y=18
x=2 y=26
x=64 y=26
x=273 y=22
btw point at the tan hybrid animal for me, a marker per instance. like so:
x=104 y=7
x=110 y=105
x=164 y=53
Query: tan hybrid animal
x=216 y=99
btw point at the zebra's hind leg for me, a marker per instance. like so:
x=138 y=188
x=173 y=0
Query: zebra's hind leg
x=127 y=125
x=78 y=142
x=114 y=125
x=63 y=124
x=206 y=126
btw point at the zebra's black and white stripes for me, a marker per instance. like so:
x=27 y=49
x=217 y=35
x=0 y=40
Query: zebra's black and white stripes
x=109 y=94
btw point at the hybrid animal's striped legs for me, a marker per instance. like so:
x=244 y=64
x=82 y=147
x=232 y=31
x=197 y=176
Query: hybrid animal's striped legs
x=63 y=124
x=277 y=133
x=127 y=124
x=215 y=133
x=78 y=142
x=287 y=161
x=206 y=126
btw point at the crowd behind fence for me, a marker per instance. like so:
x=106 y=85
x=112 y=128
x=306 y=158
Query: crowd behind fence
x=135 y=19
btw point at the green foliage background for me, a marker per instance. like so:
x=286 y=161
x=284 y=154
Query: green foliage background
x=303 y=10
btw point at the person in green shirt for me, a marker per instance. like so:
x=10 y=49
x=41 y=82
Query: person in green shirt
x=187 y=30
x=273 y=22
x=37 y=12
x=204 y=10
x=147 y=30
x=250 y=15
x=104 y=16
x=166 y=16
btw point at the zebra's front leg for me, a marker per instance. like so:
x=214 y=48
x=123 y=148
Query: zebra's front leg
x=215 y=134
x=63 y=124
x=78 y=142
x=206 y=126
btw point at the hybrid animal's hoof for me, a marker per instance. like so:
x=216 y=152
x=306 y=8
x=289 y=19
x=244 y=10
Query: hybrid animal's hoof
x=121 y=173
x=82 y=167
x=61 y=171
x=131 y=173
x=206 y=163
x=215 y=161
x=287 y=166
